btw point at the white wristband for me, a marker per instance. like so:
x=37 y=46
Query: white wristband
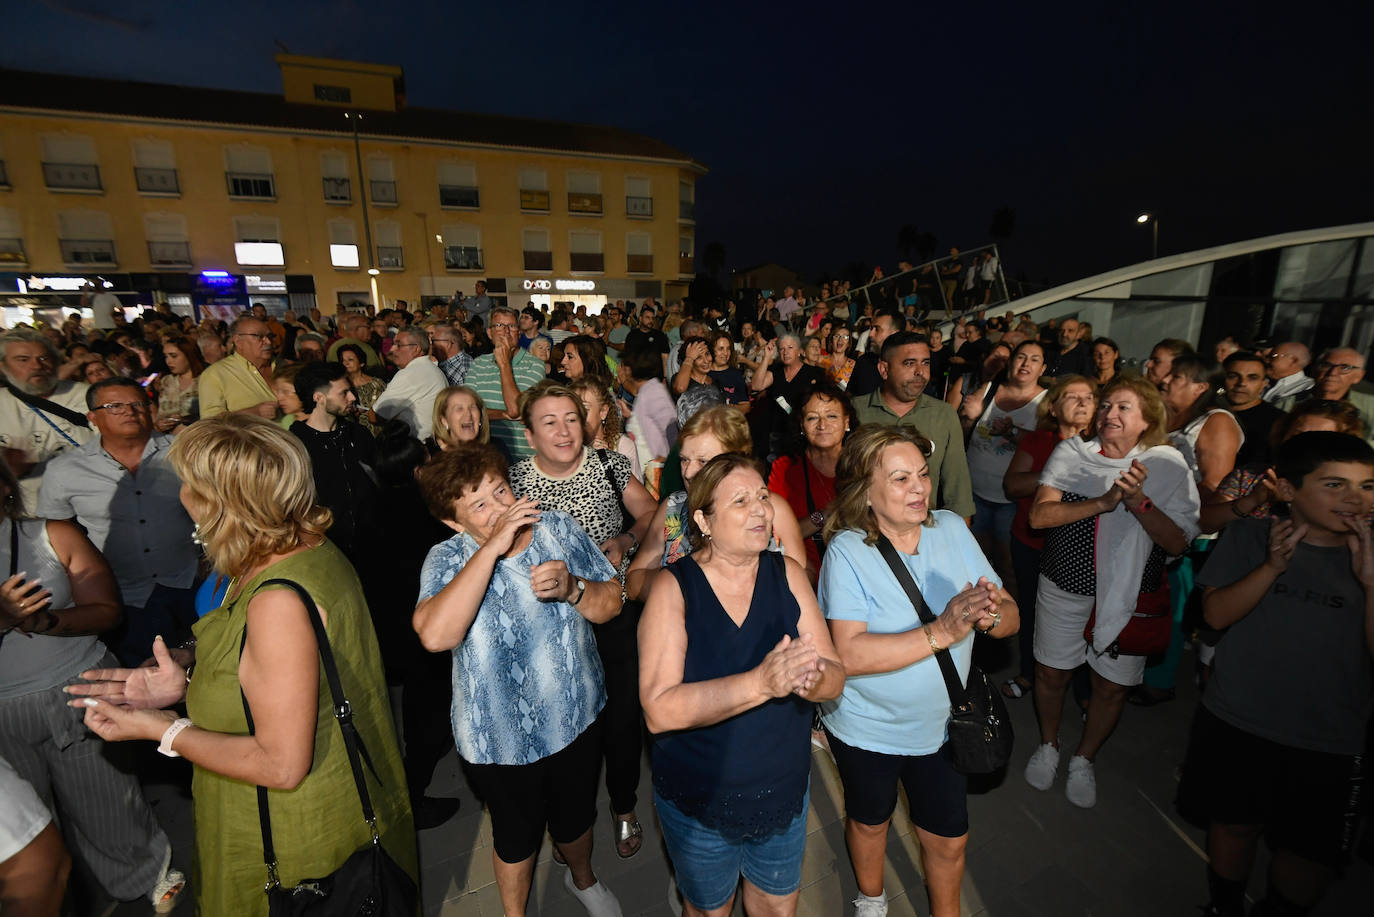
x=174 y=730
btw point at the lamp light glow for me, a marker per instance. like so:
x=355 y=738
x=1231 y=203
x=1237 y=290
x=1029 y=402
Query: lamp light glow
x=1143 y=218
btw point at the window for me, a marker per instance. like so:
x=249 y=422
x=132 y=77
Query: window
x=584 y=250
x=381 y=181
x=458 y=186
x=168 y=242
x=390 y=254
x=338 y=187
x=325 y=93
x=462 y=247
x=258 y=244
x=639 y=253
x=534 y=190
x=684 y=255
x=70 y=163
x=538 y=252
x=584 y=192
x=343 y=244
x=11 y=239
x=686 y=202
x=86 y=238
x=155 y=168
x=639 y=197
x=248 y=172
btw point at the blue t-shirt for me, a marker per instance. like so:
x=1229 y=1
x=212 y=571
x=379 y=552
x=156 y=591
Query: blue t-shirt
x=527 y=679
x=905 y=712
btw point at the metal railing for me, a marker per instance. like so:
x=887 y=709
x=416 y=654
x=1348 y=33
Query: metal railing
x=939 y=283
x=381 y=191
x=74 y=176
x=589 y=262
x=534 y=200
x=686 y=210
x=584 y=203
x=4 y=176
x=685 y=264
x=538 y=261
x=252 y=185
x=87 y=251
x=169 y=254
x=462 y=258
x=12 y=252
x=156 y=181
x=639 y=206
x=461 y=197
x=338 y=190
x=390 y=258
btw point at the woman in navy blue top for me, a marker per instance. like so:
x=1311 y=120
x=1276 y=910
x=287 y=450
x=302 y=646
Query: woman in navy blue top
x=733 y=654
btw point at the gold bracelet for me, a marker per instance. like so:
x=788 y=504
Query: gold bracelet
x=935 y=647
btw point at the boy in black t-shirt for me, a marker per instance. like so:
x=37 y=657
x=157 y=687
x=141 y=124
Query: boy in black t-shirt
x=1276 y=746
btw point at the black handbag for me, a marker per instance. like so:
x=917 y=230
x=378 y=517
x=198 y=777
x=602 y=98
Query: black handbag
x=369 y=883
x=980 y=733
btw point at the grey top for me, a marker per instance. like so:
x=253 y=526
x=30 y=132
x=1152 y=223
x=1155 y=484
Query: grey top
x=135 y=520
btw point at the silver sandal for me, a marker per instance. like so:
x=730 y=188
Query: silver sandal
x=627 y=830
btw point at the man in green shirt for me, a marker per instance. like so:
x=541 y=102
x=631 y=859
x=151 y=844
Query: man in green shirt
x=904 y=365
x=499 y=377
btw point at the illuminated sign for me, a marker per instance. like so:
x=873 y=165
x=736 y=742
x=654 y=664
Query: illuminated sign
x=260 y=254
x=343 y=255
x=60 y=284
x=217 y=278
x=264 y=283
x=214 y=275
x=540 y=285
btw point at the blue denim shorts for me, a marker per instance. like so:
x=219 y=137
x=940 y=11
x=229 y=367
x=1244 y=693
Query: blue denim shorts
x=708 y=865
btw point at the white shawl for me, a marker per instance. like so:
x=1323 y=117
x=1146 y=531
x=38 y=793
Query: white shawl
x=1122 y=544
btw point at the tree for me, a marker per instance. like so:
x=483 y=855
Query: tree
x=907 y=239
x=713 y=259
x=1003 y=224
x=926 y=244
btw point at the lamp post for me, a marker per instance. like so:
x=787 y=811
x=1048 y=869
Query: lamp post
x=372 y=271
x=1153 y=220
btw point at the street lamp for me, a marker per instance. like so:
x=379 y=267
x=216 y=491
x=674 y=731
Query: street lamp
x=1154 y=232
x=354 y=118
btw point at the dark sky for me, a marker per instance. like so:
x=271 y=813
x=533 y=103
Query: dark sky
x=827 y=127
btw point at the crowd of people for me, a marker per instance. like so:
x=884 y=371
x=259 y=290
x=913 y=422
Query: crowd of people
x=563 y=536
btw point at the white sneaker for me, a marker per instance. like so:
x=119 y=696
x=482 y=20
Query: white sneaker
x=596 y=898
x=1082 y=786
x=864 y=906
x=1042 y=766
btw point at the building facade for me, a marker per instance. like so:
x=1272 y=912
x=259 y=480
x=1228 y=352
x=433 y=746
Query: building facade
x=335 y=194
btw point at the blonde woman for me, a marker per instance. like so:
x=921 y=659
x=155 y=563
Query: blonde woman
x=460 y=416
x=248 y=485
x=603 y=428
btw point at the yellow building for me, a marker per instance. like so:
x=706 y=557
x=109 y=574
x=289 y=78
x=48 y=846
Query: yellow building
x=333 y=194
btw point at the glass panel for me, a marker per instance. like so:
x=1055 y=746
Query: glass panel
x=1364 y=274
x=462 y=258
x=1186 y=281
x=458 y=196
x=157 y=181
x=1317 y=271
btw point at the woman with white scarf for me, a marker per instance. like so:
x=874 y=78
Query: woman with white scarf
x=1119 y=504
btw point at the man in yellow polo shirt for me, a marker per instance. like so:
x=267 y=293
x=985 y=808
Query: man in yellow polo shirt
x=242 y=381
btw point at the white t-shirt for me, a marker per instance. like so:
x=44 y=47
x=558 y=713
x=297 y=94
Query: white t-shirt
x=993 y=443
x=103 y=305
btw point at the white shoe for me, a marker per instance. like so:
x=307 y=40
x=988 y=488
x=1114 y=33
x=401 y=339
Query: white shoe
x=1082 y=786
x=1042 y=766
x=596 y=898
x=864 y=906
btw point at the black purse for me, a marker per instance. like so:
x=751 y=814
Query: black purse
x=980 y=733
x=369 y=883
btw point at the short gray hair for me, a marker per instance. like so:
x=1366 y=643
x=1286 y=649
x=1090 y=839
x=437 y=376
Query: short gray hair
x=502 y=310
x=416 y=336
x=23 y=334
x=794 y=338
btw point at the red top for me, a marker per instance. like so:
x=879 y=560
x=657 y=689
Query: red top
x=786 y=481
x=1038 y=445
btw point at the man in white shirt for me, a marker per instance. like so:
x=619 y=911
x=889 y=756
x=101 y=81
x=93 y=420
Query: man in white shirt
x=787 y=306
x=102 y=304
x=40 y=416
x=410 y=394
x=1285 y=370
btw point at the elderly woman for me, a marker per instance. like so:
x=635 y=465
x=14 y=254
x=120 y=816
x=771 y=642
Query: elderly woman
x=1118 y=504
x=514 y=595
x=248 y=486
x=177 y=400
x=806 y=478
x=712 y=432
x=889 y=726
x=784 y=383
x=735 y=652
x=596 y=488
x=604 y=429
x=460 y=416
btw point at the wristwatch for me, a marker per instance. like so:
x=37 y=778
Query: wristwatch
x=1145 y=506
x=817 y=518
x=581 y=591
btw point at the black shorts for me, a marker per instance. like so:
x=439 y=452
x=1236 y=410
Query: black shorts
x=1306 y=800
x=936 y=792
x=558 y=792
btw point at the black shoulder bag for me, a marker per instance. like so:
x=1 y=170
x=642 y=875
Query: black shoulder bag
x=369 y=883
x=980 y=734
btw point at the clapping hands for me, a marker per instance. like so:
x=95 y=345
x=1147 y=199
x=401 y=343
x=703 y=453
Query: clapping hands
x=791 y=667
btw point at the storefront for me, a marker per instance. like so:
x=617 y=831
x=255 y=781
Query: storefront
x=50 y=298
x=572 y=292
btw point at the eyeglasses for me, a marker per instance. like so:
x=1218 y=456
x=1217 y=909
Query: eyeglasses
x=1340 y=368
x=265 y=336
x=122 y=407
x=509 y=326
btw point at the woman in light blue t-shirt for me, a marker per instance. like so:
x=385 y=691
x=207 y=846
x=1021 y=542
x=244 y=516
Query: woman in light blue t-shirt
x=890 y=723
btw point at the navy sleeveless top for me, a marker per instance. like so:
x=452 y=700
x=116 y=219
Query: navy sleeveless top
x=745 y=777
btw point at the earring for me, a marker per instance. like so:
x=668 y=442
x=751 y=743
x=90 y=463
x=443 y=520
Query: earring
x=196 y=537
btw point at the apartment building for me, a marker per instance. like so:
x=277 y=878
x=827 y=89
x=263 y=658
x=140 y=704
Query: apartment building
x=335 y=193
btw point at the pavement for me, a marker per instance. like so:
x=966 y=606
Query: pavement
x=1030 y=854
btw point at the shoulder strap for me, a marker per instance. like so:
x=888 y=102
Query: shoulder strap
x=958 y=696
x=627 y=522
x=41 y=404
x=343 y=713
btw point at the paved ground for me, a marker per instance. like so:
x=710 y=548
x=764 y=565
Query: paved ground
x=1030 y=853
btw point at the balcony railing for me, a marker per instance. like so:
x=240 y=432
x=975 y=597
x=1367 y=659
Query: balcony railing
x=594 y=262
x=686 y=210
x=12 y=252
x=534 y=200
x=338 y=190
x=463 y=197
x=684 y=264
x=390 y=258
x=4 y=176
x=71 y=176
x=462 y=258
x=169 y=254
x=639 y=206
x=251 y=185
x=538 y=261
x=639 y=264
x=382 y=192
x=156 y=181
x=583 y=203
x=88 y=251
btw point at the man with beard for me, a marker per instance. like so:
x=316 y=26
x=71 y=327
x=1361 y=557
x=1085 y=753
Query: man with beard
x=1244 y=381
x=40 y=416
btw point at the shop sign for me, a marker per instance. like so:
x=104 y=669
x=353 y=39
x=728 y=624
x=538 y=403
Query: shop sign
x=264 y=283
x=60 y=284
x=542 y=285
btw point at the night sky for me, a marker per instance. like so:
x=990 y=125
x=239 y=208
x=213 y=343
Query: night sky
x=828 y=127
